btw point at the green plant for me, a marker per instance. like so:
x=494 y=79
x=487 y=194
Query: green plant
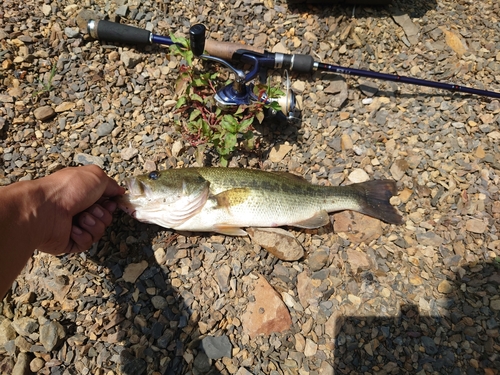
x=204 y=123
x=47 y=86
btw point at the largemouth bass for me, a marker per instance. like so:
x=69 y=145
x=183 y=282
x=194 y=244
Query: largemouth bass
x=225 y=200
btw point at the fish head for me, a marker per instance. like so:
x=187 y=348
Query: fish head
x=163 y=197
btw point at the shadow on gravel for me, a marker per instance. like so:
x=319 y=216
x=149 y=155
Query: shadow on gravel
x=460 y=336
x=363 y=8
x=154 y=324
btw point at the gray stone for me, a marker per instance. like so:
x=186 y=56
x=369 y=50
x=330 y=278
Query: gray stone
x=159 y=302
x=44 y=113
x=71 y=32
x=222 y=277
x=87 y=159
x=217 y=347
x=202 y=363
x=50 y=335
x=130 y=59
x=25 y=326
x=22 y=366
x=122 y=10
x=7 y=332
x=318 y=259
x=429 y=345
x=104 y=129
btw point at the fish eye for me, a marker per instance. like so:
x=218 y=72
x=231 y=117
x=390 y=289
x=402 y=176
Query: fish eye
x=154 y=175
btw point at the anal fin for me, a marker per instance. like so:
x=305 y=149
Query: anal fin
x=229 y=230
x=319 y=219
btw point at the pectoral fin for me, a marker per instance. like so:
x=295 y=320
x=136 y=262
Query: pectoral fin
x=232 y=197
x=319 y=219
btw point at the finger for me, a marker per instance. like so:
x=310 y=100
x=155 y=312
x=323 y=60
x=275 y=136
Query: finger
x=80 y=240
x=101 y=212
x=93 y=225
x=109 y=205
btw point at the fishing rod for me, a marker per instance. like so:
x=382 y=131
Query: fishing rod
x=223 y=52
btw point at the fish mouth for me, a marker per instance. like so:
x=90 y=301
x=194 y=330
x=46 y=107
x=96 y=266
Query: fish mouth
x=136 y=189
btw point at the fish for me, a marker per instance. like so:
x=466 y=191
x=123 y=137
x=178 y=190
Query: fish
x=227 y=200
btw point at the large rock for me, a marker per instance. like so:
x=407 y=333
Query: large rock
x=268 y=313
x=282 y=244
x=7 y=332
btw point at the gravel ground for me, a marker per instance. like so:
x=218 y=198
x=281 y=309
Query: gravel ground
x=367 y=297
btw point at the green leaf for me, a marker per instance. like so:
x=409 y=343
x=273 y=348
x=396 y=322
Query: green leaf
x=259 y=116
x=196 y=97
x=224 y=162
x=231 y=141
x=229 y=123
x=194 y=114
x=179 y=40
x=240 y=110
x=181 y=102
x=245 y=124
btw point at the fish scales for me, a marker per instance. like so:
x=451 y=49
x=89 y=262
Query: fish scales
x=225 y=200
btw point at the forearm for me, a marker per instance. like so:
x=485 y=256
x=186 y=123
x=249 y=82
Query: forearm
x=19 y=208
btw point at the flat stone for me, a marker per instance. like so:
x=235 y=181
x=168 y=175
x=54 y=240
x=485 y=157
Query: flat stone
x=159 y=302
x=216 y=347
x=267 y=314
x=44 y=113
x=65 y=106
x=130 y=59
x=129 y=153
x=358 y=175
x=25 y=326
x=22 y=366
x=7 y=331
x=279 y=242
x=317 y=259
x=358 y=227
x=87 y=159
x=134 y=270
x=311 y=348
x=476 y=226
x=495 y=304
x=104 y=129
x=445 y=287
x=307 y=290
x=37 y=364
x=222 y=277
x=278 y=152
x=411 y=30
x=358 y=260
x=50 y=335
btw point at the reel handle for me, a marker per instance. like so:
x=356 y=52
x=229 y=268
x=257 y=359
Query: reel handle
x=197 y=38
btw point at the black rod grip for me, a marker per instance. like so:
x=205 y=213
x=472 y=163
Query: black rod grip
x=116 y=32
x=197 y=38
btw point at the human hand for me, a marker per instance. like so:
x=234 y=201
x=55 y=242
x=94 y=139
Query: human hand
x=77 y=209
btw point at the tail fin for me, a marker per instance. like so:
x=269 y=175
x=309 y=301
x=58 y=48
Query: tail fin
x=375 y=200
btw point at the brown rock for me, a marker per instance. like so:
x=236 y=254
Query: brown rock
x=44 y=113
x=445 y=287
x=278 y=152
x=358 y=260
x=307 y=289
x=7 y=332
x=358 y=227
x=475 y=226
x=134 y=270
x=65 y=106
x=267 y=314
x=282 y=244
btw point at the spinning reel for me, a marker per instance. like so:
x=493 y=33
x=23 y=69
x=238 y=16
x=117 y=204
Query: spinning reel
x=241 y=90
